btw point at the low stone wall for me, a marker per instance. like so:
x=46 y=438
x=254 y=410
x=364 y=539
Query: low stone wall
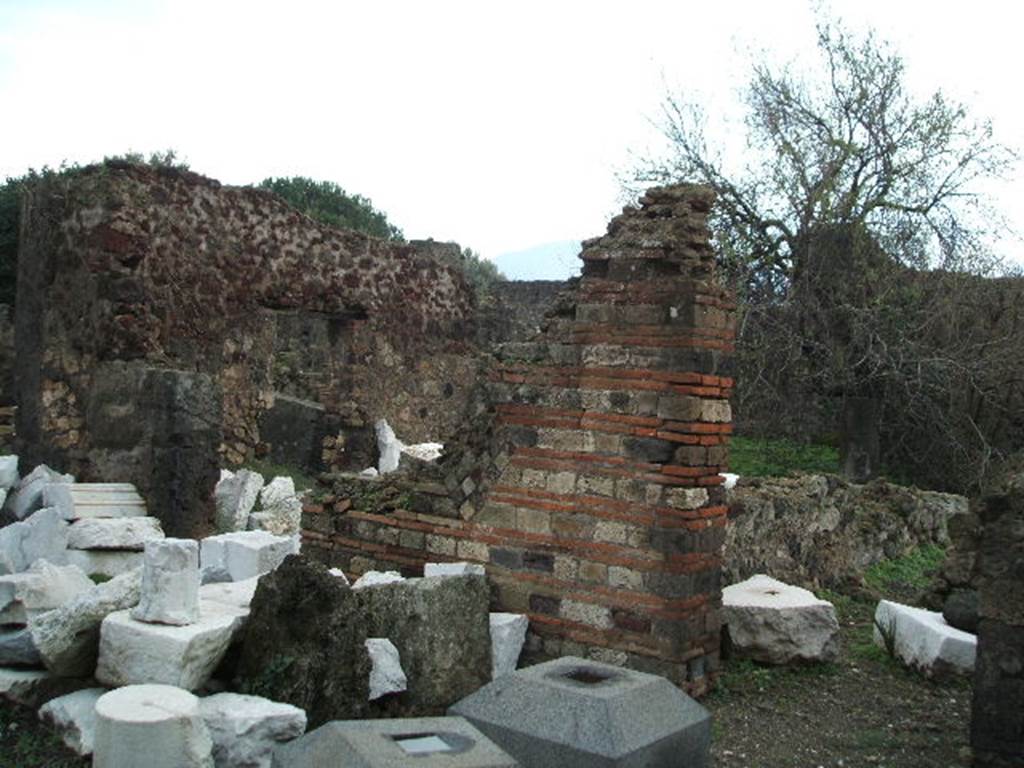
x=822 y=531
x=589 y=484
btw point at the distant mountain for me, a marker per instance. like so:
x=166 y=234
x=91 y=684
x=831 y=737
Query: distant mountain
x=548 y=261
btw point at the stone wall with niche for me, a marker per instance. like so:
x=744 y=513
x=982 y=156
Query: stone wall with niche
x=161 y=269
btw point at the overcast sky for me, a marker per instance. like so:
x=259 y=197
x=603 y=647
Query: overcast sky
x=498 y=125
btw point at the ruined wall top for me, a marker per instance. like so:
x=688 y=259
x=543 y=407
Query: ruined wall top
x=668 y=232
x=179 y=255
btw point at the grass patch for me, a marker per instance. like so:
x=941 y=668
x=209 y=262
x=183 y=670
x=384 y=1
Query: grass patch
x=99 y=578
x=270 y=470
x=24 y=741
x=743 y=676
x=910 y=573
x=761 y=457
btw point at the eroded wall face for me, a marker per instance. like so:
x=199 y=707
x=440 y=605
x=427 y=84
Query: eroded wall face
x=594 y=495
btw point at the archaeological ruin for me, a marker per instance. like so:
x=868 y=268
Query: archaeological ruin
x=168 y=326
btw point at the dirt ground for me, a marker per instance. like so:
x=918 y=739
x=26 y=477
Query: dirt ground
x=863 y=711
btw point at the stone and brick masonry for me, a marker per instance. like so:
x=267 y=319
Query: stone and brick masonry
x=159 y=312
x=590 y=486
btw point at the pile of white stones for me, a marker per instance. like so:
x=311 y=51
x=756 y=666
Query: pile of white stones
x=278 y=511
x=125 y=666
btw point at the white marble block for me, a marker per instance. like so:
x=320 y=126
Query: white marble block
x=170 y=583
x=155 y=726
x=508 y=633
x=114 y=533
x=386 y=674
x=242 y=555
x=75 y=501
x=245 y=729
x=133 y=652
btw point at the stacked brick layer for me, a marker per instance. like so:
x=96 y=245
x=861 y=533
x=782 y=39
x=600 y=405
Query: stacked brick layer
x=596 y=503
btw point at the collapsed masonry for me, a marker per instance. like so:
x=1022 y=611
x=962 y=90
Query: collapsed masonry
x=594 y=495
x=167 y=326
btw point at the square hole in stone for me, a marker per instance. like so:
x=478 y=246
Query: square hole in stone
x=422 y=743
x=588 y=675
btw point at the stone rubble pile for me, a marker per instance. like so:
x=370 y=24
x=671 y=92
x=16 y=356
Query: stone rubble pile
x=148 y=621
x=278 y=511
x=108 y=528
x=167 y=612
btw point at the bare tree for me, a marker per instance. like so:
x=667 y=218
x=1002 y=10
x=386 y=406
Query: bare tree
x=851 y=232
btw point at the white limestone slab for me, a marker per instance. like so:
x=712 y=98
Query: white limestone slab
x=452 y=569
x=27 y=496
x=389 y=447
x=508 y=634
x=43 y=535
x=923 y=640
x=74 y=717
x=337 y=572
x=156 y=726
x=241 y=555
x=75 y=501
x=17 y=648
x=67 y=637
x=105 y=562
x=133 y=652
x=42 y=587
x=235 y=594
x=776 y=623
x=170 y=583
x=376 y=578
x=34 y=687
x=8 y=472
x=19 y=685
x=130 y=533
x=280 y=511
x=245 y=729
x=386 y=673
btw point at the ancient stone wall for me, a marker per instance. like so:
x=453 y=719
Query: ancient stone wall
x=590 y=484
x=159 y=269
x=822 y=531
x=515 y=310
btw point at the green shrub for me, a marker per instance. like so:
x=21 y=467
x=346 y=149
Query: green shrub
x=762 y=457
x=910 y=573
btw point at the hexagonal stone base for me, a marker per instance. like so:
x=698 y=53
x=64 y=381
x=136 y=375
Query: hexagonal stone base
x=572 y=712
x=426 y=742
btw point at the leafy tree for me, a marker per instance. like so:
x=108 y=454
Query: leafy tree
x=852 y=231
x=480 y=273
x=327 y=202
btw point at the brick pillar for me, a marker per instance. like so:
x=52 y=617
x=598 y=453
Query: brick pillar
x=608 y=518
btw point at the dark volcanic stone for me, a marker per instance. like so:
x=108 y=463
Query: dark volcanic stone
x=305 y=641
x=961 y=610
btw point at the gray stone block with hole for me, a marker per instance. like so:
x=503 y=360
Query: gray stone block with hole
x=575 y=713
x=424 y=742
